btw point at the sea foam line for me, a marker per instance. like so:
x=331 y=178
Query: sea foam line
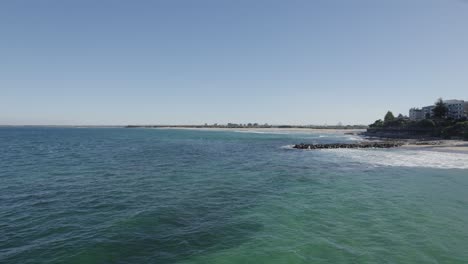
x=404 y=158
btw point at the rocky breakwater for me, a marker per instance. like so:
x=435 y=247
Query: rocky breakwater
x=379 y=144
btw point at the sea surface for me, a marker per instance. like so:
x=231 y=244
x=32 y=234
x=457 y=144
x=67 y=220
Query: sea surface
x=116 y=195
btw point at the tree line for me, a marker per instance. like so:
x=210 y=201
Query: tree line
x=438 y=124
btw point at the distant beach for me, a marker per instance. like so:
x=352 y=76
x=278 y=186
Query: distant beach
x=275 y=130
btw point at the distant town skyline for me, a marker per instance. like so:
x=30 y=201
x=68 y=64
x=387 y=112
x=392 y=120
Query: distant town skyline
x=196 y=62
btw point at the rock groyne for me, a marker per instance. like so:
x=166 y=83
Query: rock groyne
x=380 y=144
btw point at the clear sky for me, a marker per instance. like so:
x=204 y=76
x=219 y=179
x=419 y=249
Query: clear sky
x=190 y=62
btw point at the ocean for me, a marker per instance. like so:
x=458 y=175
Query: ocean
x=116 y=195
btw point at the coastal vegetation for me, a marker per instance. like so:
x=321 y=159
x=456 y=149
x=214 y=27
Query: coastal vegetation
x=437 y=124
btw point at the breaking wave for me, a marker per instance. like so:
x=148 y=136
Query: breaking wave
x=404 y=158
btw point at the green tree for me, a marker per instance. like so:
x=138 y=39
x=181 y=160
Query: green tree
x=389 y=117
x=426 y=123
x=377 y=123
x=440 y=110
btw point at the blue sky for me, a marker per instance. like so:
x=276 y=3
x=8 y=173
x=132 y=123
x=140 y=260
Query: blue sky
x=190 y=62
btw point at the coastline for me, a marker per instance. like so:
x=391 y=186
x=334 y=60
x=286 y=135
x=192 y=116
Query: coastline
x=457 y=146
x=350 y=131
x=439 y=145
x=418 y=140
x=424 y=144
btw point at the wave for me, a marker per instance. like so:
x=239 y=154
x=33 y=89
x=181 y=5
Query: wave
x=404 y=158
x=355 y=138
x=254 y=132
x=269 y=132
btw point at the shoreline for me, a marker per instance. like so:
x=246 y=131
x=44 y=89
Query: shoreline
x=351 y=131
x=423 y=143
x=439 y=145
x=452 y=146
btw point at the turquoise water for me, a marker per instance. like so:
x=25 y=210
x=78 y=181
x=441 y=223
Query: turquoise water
x=70 y=195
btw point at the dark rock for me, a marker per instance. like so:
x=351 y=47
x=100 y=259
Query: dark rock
x=380 y=144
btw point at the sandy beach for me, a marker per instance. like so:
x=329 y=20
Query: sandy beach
x=275 y=130
x=441 y=145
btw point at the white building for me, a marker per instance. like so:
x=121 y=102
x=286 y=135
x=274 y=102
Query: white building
x=416 y=114
x=427 y=111
x=456 y=109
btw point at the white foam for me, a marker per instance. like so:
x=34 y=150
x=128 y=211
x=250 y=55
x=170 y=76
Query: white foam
x=259 y=132
x=404 y=158
x=355 y=138
x=298 y=133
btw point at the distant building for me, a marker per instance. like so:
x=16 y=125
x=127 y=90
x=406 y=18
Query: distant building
x=466 y=109
x=456 y=109
x=427 y=111
x=416 y=114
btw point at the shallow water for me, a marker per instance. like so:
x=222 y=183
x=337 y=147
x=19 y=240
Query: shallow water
x=70 y=195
